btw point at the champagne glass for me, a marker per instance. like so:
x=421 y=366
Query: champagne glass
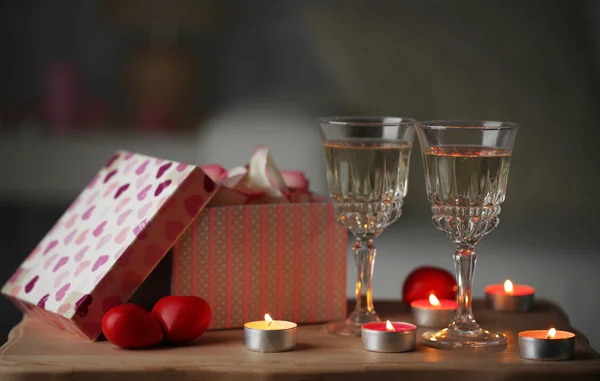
x=367 y=162
x=466 y=170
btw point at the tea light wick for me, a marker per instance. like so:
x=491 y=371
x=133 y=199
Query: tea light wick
x=269 y=319
x=508 y=287
x=551 y=334
x=389 y=326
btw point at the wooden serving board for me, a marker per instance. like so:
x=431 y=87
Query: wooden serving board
x=36 y=351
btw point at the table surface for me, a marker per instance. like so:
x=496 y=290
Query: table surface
x=38 y=351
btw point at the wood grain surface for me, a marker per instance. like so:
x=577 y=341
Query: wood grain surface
x=36 y=351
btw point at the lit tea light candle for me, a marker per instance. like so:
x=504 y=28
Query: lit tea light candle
x=270 y=335
x=546 y=345
x=433 y=312
x=389 y=336
x=509 y=297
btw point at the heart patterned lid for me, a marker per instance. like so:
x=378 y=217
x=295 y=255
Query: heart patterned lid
x=110 y=239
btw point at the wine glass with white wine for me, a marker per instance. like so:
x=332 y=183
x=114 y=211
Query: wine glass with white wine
x=466 y=172
x=367 y=161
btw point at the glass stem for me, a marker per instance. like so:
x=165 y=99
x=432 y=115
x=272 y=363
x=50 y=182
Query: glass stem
x=364 y=254
x=464 y=262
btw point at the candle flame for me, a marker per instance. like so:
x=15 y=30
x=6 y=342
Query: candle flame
x=551 y=333
x=389 y=326
x=269 y=319
x=508 y=287
x=433 y=300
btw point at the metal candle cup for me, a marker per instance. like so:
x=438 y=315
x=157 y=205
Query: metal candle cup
x=377 y=337
x=520 y=298
x=536 y=345
x=270 y=336
x=433 y=313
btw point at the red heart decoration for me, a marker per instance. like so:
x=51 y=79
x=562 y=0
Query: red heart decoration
x=426 y=280
x=183 y=318
x=130 y=326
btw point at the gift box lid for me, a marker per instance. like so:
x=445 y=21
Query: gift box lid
x=110 y=238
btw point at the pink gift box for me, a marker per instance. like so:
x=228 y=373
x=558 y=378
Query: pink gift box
x=108 y=241
x=288 y=260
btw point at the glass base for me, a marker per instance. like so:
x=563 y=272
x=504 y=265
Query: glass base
x=350 y=326
x=458 y=339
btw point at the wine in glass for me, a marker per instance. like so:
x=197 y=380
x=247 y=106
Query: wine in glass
x=367 y=161
x=466 y=171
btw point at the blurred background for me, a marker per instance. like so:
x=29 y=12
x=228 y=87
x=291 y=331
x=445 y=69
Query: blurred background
x=207 y=81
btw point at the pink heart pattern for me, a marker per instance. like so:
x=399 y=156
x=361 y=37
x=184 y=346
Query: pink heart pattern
x=139 y=230
x=49 y=261
x=121 y=204
x=29 y=286
x=123 y=217
x=129 y=166
x=103 y=241
x=142 y=195
x=63 y=308
x=81 y=253
x=99 y=229
x=163 y=169
x=122 y=235
x=61 y=278
x=121 y=189
x=42 y=302
x=71 y=221
x=110 y=189
x=61 y=262
x=142 y=168
x=108 y=224
x=142 y=180
x=110 y=175
x=143 y=210
x=161 y=187
x=99 y=262
x=112 y=160
x=62 y=291
x=81 y=237
x=92 y=198
x=50 y=246
x=82 y=266
x=88 y=213
x=69 y=237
